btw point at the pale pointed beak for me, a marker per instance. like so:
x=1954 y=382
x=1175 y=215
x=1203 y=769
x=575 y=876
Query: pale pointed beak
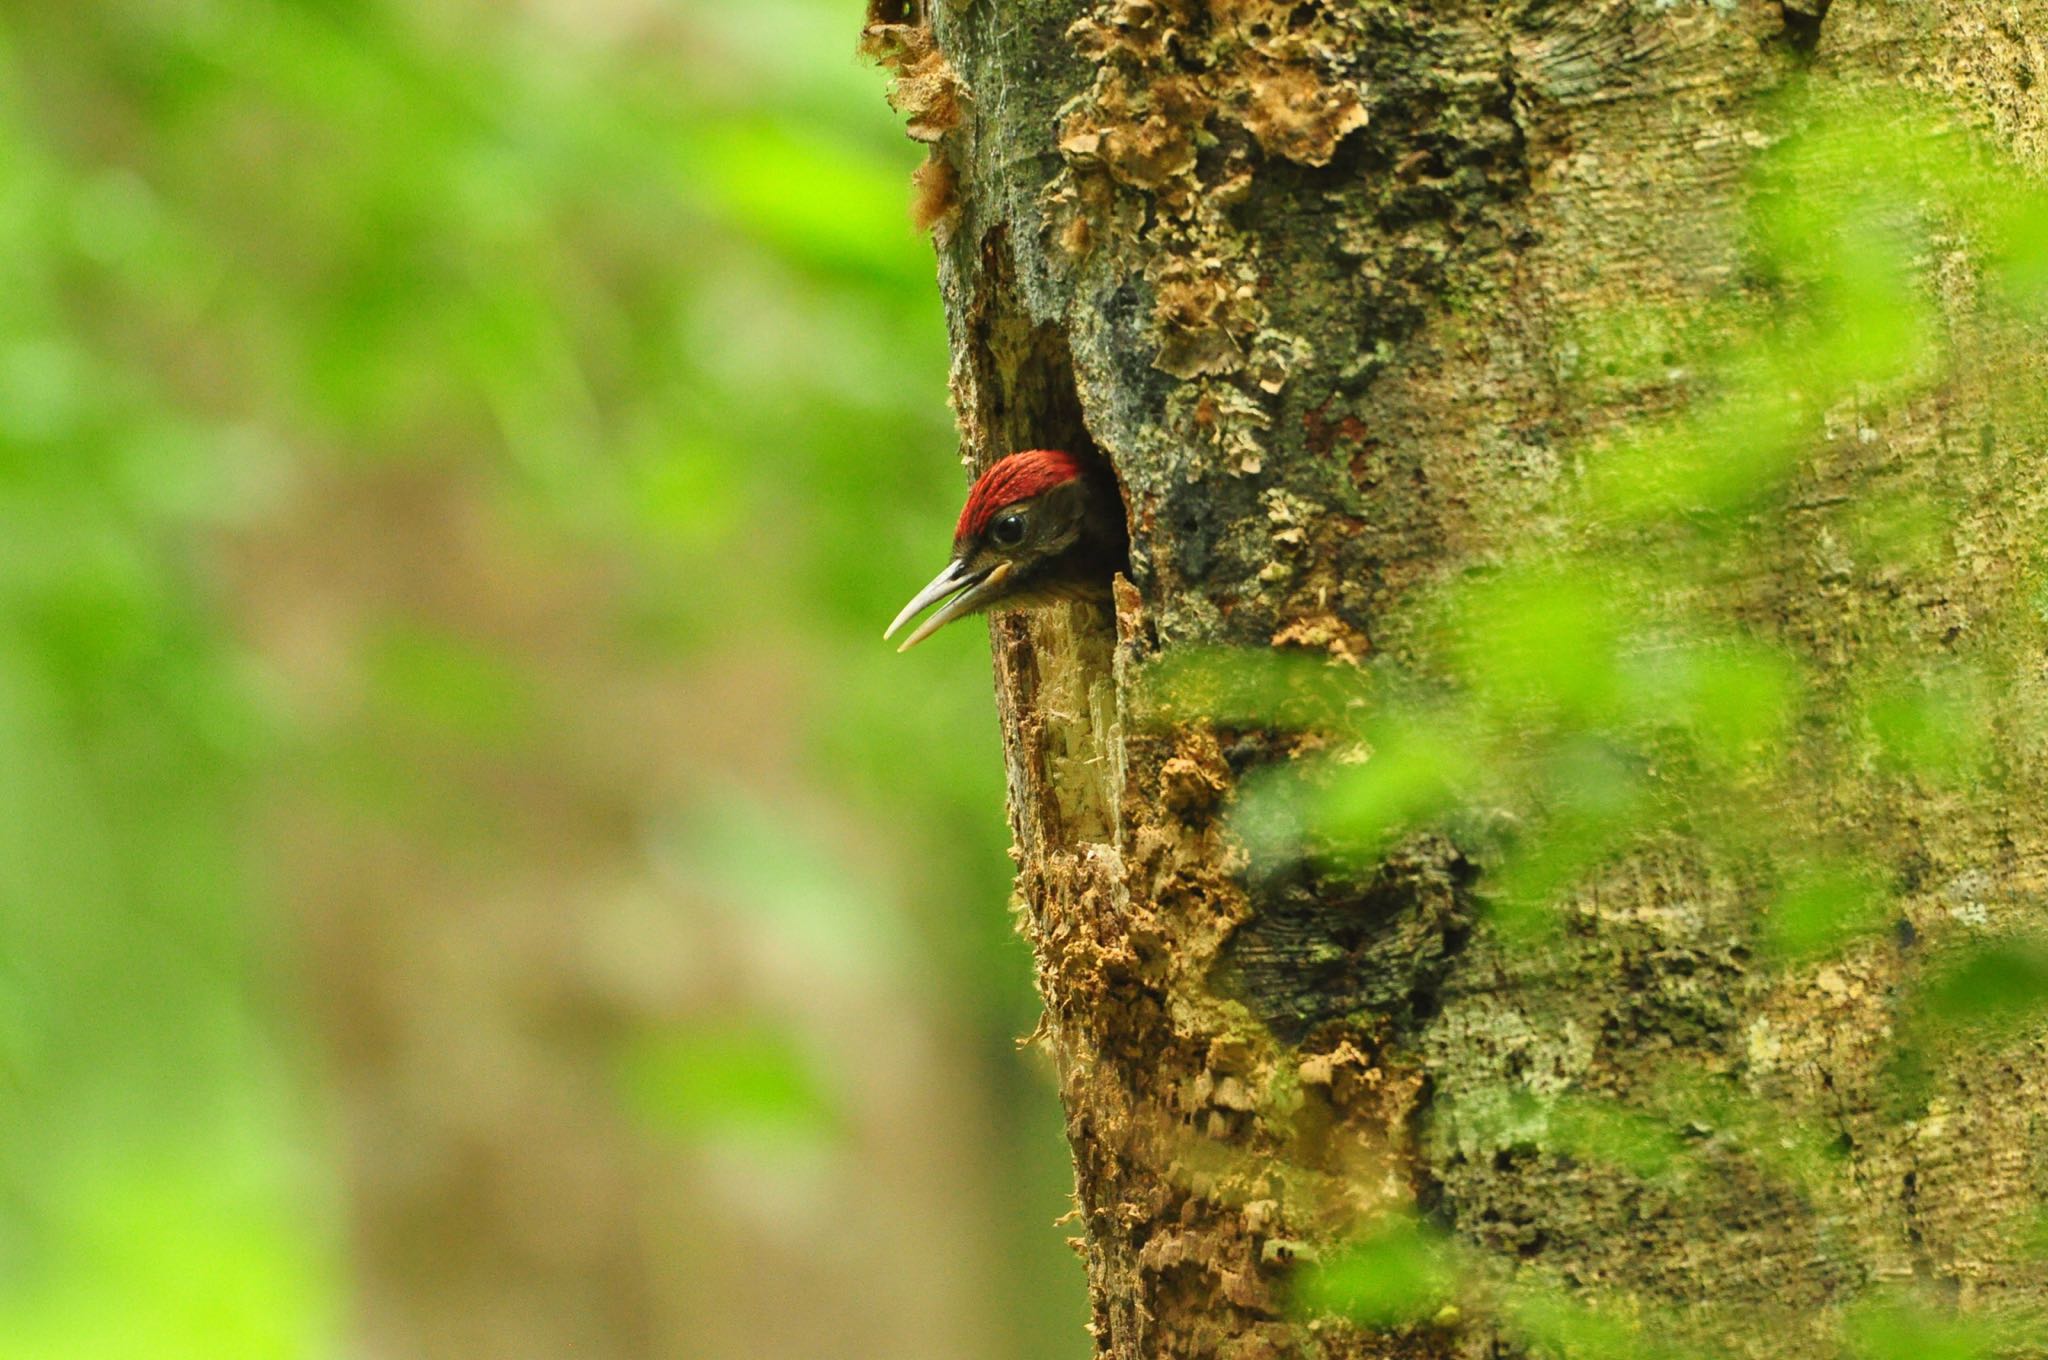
x=967 y=591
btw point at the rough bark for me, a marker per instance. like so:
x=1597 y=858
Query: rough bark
x=1308 y=276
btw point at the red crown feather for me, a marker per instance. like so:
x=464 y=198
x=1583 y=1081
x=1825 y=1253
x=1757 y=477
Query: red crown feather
x=1017 y=478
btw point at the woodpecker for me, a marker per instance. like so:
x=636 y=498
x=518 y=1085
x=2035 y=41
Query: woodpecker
x=1038 y=527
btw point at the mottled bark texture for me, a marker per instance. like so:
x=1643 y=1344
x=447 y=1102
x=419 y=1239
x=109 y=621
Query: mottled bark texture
x=1307 y=275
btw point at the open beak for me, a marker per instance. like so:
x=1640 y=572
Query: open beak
x=967 y=590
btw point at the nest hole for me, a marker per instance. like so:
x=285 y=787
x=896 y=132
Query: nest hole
x=896 y=12
x=1028 y=397
x=1056 y=669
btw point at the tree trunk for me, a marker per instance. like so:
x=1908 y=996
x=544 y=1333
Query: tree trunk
x=1310 y=277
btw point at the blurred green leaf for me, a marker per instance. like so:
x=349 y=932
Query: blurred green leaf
x=829 y=203
x=1555 y=1323
x=1805 y=1150
x=1413 y=773
x=1271 y=814
x=452 y=684
x=1824 y=908
x=2019 y=224
x=1396 y=1274
x=728 y=1082
x=1725 y=457
x=1904 y=532
x=1894 y=1328
x=165 y=1259
x=1585 y=1128
x=1603 y=1131
x=1283 y=690
x=1934 y=725
x=1599 y=808
x=1540 y=640
x=2032 y=1236
x=1993 y=989
x=1733 y=700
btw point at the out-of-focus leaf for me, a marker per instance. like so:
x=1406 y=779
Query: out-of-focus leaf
x=824 y=201
x=1539 y=641
x=1822 y=909
x=1272 y=814
x=2033 y=1232
x=1288 y=691
x=1806 y=1151
x=1732 y=700
x=727 y=1082
x=1413 y=773
x=1902 y=532
x=1936 y=725
x=1903 y=1329
x=1589 y=806
x=1719 y=460
x=1396 y=1273
x=1992 y=989
x=163 y=1258
x=1555 y=1322
x=2021 y=227
x=1599 y=1130
x=452 y=685
x=1877 y=329
x=1581 y=1127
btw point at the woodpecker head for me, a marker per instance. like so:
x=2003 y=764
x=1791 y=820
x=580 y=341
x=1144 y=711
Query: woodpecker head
x=1038 y=527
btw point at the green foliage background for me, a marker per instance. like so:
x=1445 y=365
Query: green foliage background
x=631 y=284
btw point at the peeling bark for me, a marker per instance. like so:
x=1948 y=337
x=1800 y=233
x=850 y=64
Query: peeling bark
x=1309 y=277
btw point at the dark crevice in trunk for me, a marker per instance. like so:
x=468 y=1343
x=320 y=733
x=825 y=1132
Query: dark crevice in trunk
x=1019 y=393
x=1024 y=386
x=895 y=11
x=1803 y=19
x=1024 y=389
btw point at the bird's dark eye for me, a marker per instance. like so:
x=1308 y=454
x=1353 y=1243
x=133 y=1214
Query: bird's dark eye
x=1008 y=531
